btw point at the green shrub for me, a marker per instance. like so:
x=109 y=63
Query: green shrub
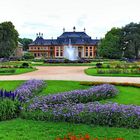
x=28 y=56
x=7 y=70
x=108 y=66
x=24 y=65
x=8 y=109
x=118 y=66
x=99 y=65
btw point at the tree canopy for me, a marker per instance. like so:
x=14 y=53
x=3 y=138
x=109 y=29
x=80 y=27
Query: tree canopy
x=131 y=40
x=8 y=39
x=109 y=46
x=121 y=42
x=25 y=42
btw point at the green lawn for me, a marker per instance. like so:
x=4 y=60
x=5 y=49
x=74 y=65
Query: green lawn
x=127 y=95
x=19 y=129
x=10 y=85
x=93 y=72
x=18 y=71
x=61 y=86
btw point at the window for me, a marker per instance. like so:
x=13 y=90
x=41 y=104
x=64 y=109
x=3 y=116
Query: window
x=90 y=53
x=61 y=54
x=57 y=53
x=86 y=51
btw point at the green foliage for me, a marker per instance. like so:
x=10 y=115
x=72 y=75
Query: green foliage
x=25 y=42
x=116 y=72
x=99 y=65
x=121 y=43
x=109 y=46
x=24 y=65
x=130 y=40
x=8 y=39
x=8 y=109
x=28 y=56
x=7 y=70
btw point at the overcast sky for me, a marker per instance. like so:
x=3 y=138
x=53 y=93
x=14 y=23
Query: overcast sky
x=50 y=16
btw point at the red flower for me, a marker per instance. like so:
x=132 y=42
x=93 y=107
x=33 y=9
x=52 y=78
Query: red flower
x=87 y=137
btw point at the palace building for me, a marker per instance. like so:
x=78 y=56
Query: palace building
x=82 y=45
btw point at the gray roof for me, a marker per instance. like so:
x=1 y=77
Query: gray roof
x=77 y=38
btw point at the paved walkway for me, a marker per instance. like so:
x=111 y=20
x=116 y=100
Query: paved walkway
x=74 y=73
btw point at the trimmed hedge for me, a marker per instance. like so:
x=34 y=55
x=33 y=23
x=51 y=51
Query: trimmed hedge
x=113 y=83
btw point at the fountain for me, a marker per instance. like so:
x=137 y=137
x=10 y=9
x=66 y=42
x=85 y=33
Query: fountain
x=70 y=52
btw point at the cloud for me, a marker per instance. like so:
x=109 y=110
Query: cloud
x=49 y=17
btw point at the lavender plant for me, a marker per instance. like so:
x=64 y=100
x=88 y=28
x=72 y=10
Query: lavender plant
x=28 y=89
x=111 y=114
x=7 y=94
x=76 y=96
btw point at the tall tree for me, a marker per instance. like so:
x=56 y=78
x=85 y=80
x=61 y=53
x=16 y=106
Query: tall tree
x=109 y=47
x=25 y=42
x=131 y=40
x=8 y=39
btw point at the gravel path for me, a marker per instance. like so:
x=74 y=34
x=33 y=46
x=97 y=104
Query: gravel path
x=74 y=73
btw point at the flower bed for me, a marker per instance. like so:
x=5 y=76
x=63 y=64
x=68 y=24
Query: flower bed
x=71 y=136
x=118 y=71
x=10 y=102
x=76 y=96
x=91 y=113
x=24 y=92
x=28 y=89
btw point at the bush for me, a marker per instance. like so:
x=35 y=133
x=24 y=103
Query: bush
x=7 y=70
x=99 y=65
x=8 y=109
x=54 y=61
x=113 y=115
x=28 y=56
x=24 y=65
x=118 y=66
x=118 y=71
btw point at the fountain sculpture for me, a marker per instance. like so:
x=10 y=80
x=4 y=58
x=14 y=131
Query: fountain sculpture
x=70 y=52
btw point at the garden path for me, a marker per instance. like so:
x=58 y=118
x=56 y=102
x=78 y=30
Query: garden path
x=74 y=73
